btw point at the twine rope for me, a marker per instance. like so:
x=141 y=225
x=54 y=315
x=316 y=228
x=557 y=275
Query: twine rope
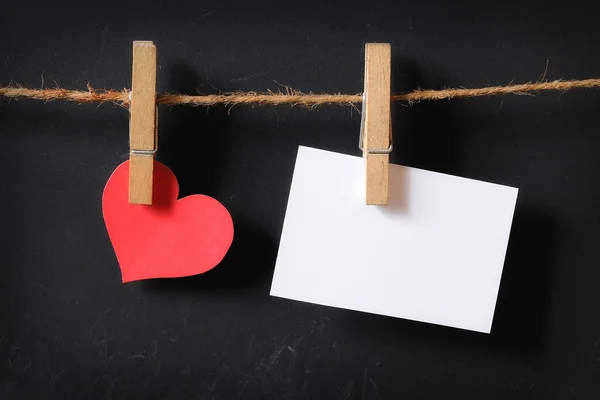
x=289 y=96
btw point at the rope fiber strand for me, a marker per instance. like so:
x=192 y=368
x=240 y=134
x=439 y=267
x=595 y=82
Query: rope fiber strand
x=290 y=96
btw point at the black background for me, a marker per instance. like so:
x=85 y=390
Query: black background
x=70 y=330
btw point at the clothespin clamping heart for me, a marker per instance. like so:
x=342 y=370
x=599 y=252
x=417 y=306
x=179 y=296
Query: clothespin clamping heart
x=154 y=235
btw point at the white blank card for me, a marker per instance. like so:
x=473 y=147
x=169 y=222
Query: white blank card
x=434 y=254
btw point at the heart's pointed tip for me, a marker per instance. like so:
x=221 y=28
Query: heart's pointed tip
x=128 y=280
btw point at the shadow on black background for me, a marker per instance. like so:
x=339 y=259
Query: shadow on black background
x=425 y=134
x=522 y=307
x=194 y=144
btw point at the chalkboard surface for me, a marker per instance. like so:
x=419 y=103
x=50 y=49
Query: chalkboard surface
x=70 y=330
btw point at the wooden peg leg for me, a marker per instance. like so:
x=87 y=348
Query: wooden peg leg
x=142 y=135
x=377 y=122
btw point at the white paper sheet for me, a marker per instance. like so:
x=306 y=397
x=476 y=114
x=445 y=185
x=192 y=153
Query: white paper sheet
x=434 y=254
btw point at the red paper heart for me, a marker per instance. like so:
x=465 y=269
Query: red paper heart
x=171 y=238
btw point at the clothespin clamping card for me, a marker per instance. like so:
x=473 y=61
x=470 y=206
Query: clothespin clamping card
x=143 y=127
x=376 y=127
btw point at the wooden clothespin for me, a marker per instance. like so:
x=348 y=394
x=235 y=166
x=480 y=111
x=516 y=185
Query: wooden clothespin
x=143 y=129
x=376 y=127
